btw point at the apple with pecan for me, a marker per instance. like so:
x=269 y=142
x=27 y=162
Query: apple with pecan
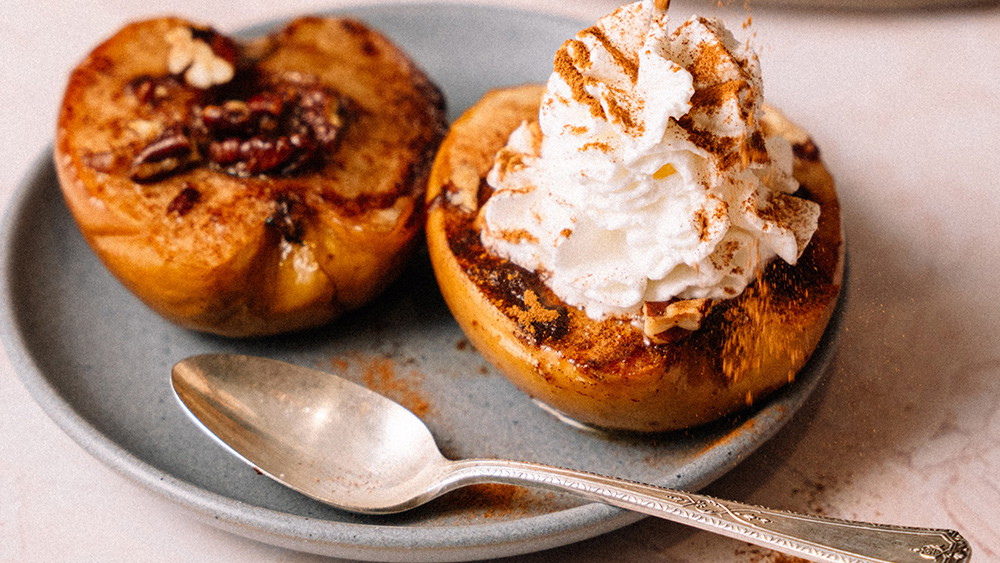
x=248 y=188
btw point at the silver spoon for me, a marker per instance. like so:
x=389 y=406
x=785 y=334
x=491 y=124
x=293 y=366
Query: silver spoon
x=349 y=447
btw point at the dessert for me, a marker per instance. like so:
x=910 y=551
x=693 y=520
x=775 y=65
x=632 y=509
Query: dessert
x=248 y=188
x=641 y=244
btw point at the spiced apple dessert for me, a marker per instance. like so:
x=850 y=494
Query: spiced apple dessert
x=641 y=244
x=248 y=188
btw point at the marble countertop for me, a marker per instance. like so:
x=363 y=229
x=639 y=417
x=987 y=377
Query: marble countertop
x=905 y=428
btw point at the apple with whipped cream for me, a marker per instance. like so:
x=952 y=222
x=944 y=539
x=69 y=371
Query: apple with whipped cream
x=642 y=244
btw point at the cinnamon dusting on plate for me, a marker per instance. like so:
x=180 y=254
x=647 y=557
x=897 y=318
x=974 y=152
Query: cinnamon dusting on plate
x=382 y=374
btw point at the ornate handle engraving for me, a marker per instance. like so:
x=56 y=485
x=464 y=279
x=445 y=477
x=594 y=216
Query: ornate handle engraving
x=812 y=537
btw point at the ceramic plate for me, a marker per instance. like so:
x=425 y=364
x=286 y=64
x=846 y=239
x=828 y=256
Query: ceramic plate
x=98 y=362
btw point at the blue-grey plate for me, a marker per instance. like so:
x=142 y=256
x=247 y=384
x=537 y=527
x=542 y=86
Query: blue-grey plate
x=98 y=363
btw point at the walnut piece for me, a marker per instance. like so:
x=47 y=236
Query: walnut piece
x=660 y=318
x=201 y=66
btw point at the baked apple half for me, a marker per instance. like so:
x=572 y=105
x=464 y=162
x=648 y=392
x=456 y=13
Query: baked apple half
x=248 y=188
x=617 y=373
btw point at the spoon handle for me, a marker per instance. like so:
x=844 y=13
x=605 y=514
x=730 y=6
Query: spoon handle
x=812 y=537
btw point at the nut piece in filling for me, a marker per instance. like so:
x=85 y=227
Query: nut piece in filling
x=248 y=188
x=641 y=244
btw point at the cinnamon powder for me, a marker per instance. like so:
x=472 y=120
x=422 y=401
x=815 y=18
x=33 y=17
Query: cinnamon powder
x=380 y=374
x=569 y=58
x=628 y=66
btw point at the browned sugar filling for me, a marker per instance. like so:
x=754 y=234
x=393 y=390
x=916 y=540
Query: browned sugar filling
x=269 y=130
x=251 y=126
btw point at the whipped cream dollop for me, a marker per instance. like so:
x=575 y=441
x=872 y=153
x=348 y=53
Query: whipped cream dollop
x=647 y=177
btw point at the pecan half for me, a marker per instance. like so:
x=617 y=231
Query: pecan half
x=232 y=116
x=167 y=154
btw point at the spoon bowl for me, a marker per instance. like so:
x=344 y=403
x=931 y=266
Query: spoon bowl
x=324 y=436
x=347 y=446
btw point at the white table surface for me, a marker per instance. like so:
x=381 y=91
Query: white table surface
x=905 y=428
